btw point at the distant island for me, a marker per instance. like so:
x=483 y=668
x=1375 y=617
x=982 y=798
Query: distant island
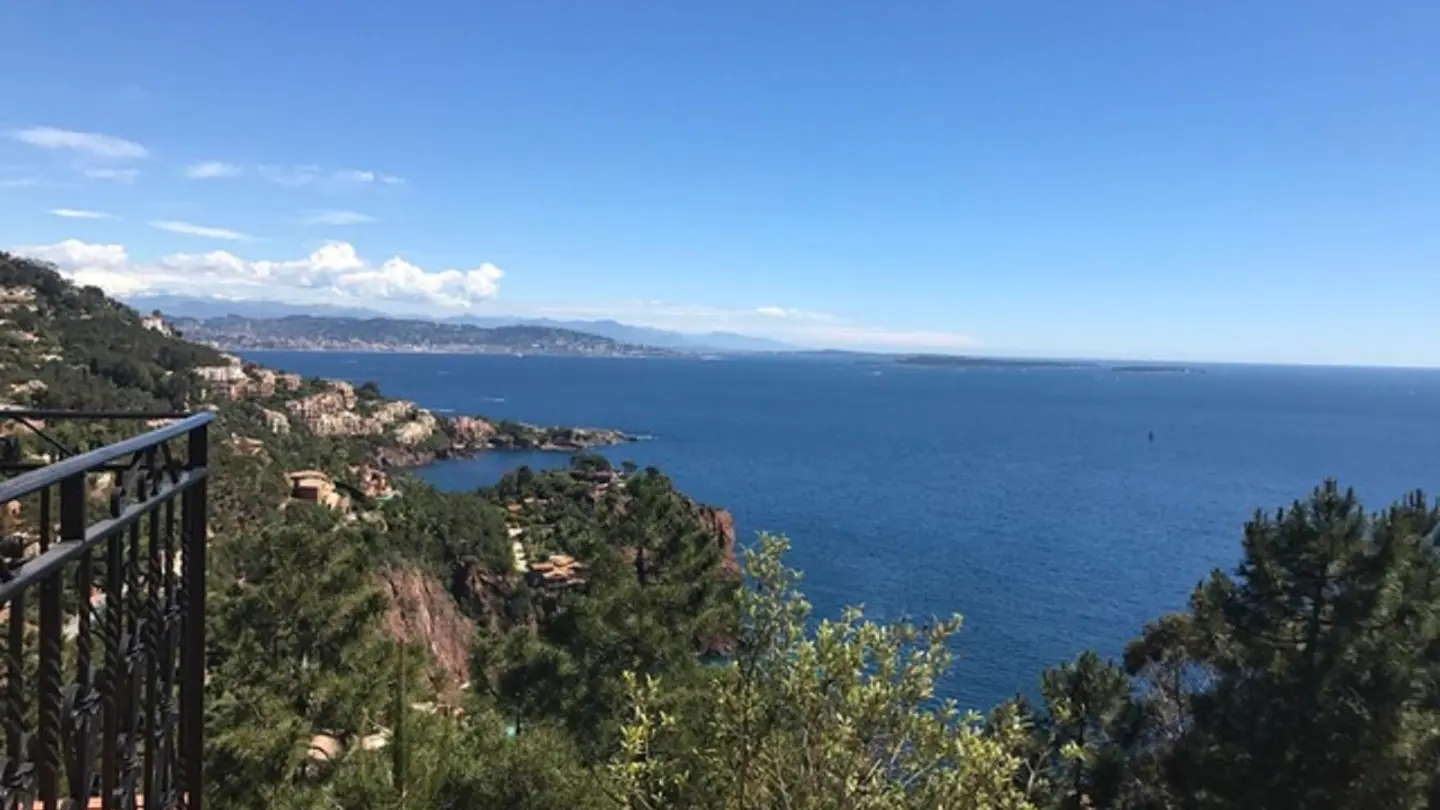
x=967 y=361
x=1156 y=369
x=308 y=332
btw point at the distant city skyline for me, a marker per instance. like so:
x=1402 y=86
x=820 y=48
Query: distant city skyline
x=1227 y=182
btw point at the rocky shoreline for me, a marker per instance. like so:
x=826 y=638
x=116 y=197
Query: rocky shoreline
x=471 y=436
x=404 y=434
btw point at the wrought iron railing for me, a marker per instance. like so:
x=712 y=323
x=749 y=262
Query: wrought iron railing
x=102 y=596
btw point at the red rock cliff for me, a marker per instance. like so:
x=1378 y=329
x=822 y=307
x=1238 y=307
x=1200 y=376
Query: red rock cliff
x=422 y=612
x=721 y=524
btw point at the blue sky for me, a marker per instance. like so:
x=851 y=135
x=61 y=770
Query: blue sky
x=1224 y=180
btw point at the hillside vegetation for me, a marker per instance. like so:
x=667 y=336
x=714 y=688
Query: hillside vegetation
x=580 y=639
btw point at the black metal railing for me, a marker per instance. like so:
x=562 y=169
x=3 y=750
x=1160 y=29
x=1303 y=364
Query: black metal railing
x=102 y=596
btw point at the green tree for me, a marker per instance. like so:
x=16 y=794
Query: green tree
x=589 y=463
x=295 y=650
x=1086 y=704
x=1324 y=646
x=1166 y=675
x=472 y=765
x=654 y=591
x=843 y=718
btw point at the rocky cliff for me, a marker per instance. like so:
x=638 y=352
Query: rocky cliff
x=403 y=433
x=423 y=612
x=721 y=525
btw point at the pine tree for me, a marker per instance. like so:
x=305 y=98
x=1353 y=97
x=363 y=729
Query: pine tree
x=1323 y=648
x=296 y=650
x=1086 y=705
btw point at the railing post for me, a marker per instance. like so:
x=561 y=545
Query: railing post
x=192 y=682
x=51 y=608
x=72 y=528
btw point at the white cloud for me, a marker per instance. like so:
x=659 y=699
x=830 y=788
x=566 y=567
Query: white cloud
x=794 y=314
x=364 y=176
x=72 y=253
x=334 y=272
x=199 y=230
x=118 y=175
x=337 y=218
x=90 y=143
x=398 y=279
x=90 y=265
x=305 y=176
x=76 y=213
x=293 y=176
x=211 y=170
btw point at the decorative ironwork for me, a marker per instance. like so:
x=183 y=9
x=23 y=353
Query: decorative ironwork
x=102 y=600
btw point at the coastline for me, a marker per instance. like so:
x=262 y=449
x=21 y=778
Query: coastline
x=456 y=351
x=400 y=433
x=400 y=458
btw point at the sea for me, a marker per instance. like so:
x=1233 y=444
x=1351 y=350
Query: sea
x=1055 y=509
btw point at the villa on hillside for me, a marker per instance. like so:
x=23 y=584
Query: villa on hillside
x=156 y=323
x=316 y=487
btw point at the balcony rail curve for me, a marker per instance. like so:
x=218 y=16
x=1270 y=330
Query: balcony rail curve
x=104 y=671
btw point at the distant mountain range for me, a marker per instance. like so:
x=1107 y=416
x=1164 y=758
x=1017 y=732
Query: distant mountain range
x=648 y=336
x=175 y=306
x=396 y=334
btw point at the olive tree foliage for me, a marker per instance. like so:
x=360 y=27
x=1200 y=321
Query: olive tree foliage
x=840 y=718
x=468 y=766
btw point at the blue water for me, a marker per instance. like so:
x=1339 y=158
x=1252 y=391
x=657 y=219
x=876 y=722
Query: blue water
x=1030 y=501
